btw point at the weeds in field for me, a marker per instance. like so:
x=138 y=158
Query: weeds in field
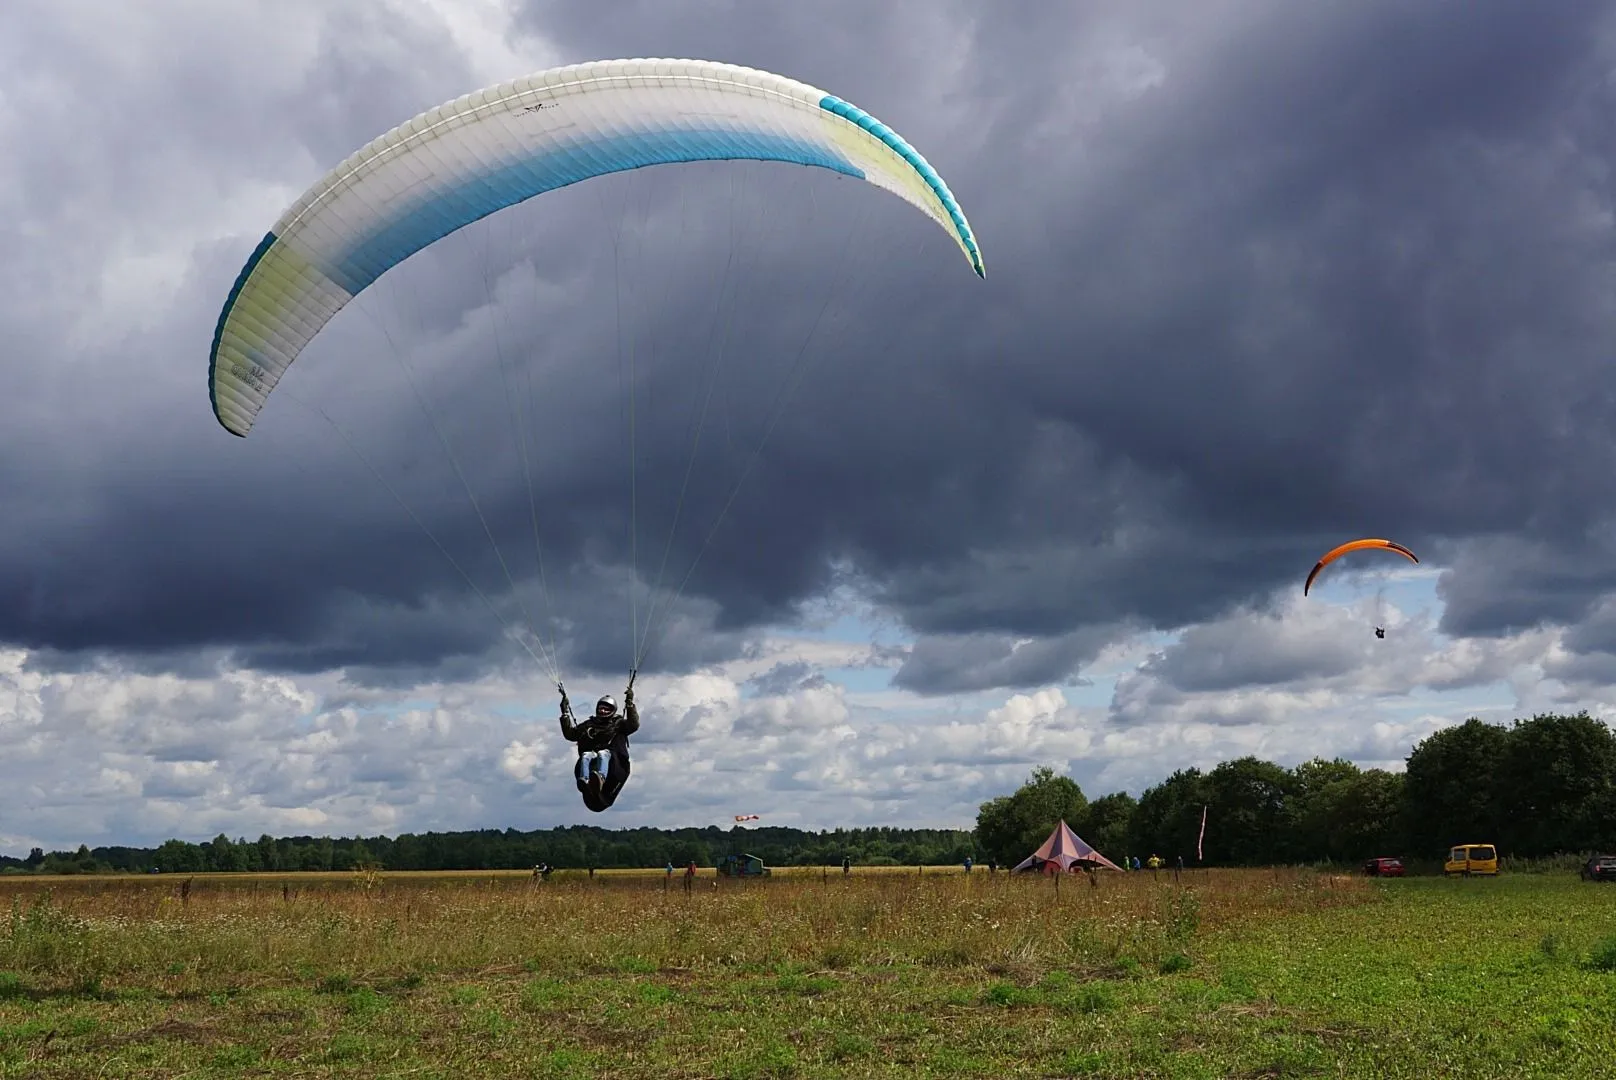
x=1287 y=972
x=377 y=927
x=1603 y=957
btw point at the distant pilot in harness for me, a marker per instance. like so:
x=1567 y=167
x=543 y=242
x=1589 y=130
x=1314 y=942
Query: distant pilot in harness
x=1380 y=631
x=603 y=765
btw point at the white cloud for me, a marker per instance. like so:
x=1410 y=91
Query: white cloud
x=244 y=752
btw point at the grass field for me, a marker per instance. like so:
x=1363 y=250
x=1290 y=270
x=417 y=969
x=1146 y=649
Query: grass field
x=1228 y=973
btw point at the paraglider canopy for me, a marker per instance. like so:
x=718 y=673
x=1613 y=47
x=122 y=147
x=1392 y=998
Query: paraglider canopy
x=1351 y=546
x=499 y=146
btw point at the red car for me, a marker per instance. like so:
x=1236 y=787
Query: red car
x=1384 y=867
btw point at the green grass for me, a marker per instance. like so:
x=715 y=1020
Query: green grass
x=1247 y=974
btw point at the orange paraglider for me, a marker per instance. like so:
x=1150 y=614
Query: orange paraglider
x=1356 y=545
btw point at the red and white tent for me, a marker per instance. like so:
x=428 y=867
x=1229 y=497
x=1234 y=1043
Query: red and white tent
x=1065 y=849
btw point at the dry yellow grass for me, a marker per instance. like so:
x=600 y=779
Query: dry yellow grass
x=885 y=972
x=371 y=925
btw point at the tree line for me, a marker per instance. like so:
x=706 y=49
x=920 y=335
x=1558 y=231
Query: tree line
x=1537 y=787
x=573 y=846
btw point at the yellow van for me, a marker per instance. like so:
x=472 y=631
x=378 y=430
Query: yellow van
x=1470 y=859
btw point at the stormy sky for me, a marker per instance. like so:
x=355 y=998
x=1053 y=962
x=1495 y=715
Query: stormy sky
x=1261 y=277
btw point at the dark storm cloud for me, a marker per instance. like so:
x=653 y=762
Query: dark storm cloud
x=1260 y=277
x=946 y=665
x=1596 y=634
x=184 y=752
x=1512 y=583
x=785 y=677
x=167 y=784
x=1339 y=269
x=1244 y=652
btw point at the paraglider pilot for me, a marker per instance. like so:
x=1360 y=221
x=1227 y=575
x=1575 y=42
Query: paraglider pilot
x=1380 y=631
x=603 y=765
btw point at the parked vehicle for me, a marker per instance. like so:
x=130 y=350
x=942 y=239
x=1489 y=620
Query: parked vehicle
x=1384 y=866
x=1472 y=859
x=742 y=866
x=1599 y=868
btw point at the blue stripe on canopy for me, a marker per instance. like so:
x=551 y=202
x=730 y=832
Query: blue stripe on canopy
x=442 y=212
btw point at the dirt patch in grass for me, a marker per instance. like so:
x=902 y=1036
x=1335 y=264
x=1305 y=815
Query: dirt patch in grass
x=182 y=1030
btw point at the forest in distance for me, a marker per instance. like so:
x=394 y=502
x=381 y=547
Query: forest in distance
x=1538 y=787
